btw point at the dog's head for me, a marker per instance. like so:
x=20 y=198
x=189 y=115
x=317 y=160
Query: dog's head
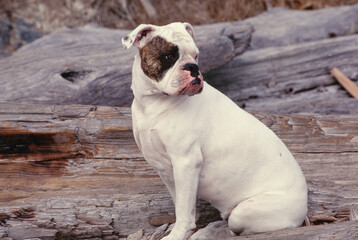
x=169 y=57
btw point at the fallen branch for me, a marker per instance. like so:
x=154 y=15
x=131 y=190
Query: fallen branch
x=346 y=82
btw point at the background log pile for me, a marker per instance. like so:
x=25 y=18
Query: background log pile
x=285 y=68
x=72 y=171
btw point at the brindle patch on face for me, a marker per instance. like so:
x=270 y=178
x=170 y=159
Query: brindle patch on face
x=157 y=57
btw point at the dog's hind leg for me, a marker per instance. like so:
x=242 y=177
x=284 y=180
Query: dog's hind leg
x=268 y=212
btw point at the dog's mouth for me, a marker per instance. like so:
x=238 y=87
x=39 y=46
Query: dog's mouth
x=193 y=87
x=189 y=84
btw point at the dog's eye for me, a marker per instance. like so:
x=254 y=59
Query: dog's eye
x=170 y=57
x=196 y=57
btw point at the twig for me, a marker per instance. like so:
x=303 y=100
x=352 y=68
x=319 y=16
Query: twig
x=348 y=84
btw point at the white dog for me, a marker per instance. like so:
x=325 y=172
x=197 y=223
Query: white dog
x=203 y=145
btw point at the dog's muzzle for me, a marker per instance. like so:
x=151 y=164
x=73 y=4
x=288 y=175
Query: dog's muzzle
x=194 y=72
x=194 y=82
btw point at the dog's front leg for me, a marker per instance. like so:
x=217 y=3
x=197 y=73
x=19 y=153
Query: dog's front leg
x=186 y=170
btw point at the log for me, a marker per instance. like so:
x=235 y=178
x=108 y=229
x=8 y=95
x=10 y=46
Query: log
x=347 y=230
x=89 y=65
x=287 y=67
x=292 y=79
x=283 y=27
x=75 y=172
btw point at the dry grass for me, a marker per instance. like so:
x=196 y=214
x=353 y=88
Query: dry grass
x=49 y=15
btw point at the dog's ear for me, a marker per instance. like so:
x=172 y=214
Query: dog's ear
x=139 y=36
x=189 y=29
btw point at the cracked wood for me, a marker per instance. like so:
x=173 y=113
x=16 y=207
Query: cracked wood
x=292 y=79
x=79 y=171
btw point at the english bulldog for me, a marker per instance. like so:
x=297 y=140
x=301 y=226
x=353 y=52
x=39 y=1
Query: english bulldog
x=203 y=145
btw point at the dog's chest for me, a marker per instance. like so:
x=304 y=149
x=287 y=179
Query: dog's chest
x=150 y=143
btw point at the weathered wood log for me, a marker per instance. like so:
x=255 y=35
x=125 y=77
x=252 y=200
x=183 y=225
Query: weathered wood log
x=75 y=171
x=346 y=230
x=292 y=79
x=282 y=27
x=89 y=65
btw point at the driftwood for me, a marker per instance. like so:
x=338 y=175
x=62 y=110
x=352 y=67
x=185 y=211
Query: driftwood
x=343 y=231
x=287 y=69
x=292 y=79
x=282 y=27
x=89 y=66
x=75 y=172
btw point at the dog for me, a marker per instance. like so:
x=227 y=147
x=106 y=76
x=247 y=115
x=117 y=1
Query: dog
x=203 y=145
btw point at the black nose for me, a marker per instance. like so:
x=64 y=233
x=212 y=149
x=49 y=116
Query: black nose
x=192 y=68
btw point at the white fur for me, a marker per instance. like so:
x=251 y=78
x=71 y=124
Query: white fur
x=206 y=146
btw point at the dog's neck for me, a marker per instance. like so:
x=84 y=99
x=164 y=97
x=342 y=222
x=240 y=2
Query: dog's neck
x=146 y=95
x=142 y=86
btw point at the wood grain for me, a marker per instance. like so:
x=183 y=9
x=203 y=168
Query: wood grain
x=284 y=27
x=90 y=66
x=285 y=68
x=79 y=171
x=347 y=230
x=291 y=79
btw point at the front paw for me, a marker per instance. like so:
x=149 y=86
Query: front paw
x=178 y=235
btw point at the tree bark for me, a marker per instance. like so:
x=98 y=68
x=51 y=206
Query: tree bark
x=75 y=171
